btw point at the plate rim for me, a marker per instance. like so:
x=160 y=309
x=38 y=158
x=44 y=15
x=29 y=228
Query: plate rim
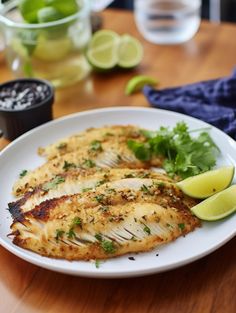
x=109 y=273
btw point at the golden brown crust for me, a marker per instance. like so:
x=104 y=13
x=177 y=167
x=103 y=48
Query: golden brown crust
x=127 y=221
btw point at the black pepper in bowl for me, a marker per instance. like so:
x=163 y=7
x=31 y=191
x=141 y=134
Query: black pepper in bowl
x=24 y=104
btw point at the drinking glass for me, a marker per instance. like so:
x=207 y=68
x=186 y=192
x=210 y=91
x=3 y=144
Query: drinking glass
x=53 y=51
x=167 y=21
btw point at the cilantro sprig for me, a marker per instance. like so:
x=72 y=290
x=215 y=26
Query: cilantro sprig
x=184 y=155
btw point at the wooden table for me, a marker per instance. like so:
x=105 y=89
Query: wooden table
x=205 y=286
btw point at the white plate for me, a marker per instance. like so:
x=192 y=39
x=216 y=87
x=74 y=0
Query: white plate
x=21 y=154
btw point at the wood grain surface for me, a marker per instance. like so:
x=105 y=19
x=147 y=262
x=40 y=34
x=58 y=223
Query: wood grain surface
x=205 y=286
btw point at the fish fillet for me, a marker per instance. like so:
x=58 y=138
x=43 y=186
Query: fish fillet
x=107 y=222
x=91 y=135
x=113 y=155
x=76 y=181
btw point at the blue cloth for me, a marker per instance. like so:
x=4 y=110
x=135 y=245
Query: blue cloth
x=213 y=101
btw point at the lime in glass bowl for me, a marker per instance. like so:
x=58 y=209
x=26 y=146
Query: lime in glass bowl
x=52 y=50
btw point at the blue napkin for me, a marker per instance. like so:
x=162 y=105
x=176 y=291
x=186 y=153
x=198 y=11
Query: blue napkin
x=213 y=101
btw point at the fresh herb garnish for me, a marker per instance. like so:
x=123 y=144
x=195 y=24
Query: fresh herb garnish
x=59 y=234
x=181 y=226
x=23 y=173
x=98 y=237
x=88 y=163
x=108 y=246
x=147 y=230
x=96 y=146
x=99 y=198
x=184 y=155
x=53 y=183
x=145 y=189
x=100 y=182
x=97 y=263
x=71 y=233
x=77 y=221
x=68 y=165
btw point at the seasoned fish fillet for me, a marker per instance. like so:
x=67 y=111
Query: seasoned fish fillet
x=91 y=138
x=114 y=154
x=74 y=182
x=106 y=222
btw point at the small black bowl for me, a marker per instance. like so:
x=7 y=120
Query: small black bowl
x=24 y=104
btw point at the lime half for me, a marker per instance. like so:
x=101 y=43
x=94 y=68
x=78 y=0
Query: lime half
x=138 y=82
x=218 y=206
x=130 y=52
x=102 y=50
x=206 y=184
x=29 y=9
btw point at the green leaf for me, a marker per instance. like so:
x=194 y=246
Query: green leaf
x=23 y=173
x=108 y=246
x=53 y=183
x=96 y=145
x=141 y=151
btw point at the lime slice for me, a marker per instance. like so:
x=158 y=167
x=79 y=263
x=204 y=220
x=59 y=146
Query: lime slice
x=52 y=49
x=102 y=50
x=49 y=14
x=207 y=184
x=29 y=9
x=66 y=8
x=217 y=206
x=130 y=52
x=138 y=82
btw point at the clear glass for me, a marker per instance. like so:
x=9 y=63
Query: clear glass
x=167 y=21
x=53 y=51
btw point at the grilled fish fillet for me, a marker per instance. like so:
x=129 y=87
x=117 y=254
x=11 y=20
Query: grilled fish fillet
x=107 y=222
x=91 y=135
x=114 y=154
x=76 y=181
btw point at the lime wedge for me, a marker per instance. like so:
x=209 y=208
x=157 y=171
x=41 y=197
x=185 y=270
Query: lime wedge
x=65 y=7
x=49 y=14
x=138 y=82
x=52 y=49
x=130 y=52
x=29 y=9
x=217 y=206
x=207 y=184
x=102 y=50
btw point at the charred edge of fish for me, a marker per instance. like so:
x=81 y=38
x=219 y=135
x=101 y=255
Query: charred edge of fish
x=42 y=211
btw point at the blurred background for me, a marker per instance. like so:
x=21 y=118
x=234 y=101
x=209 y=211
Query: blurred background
x=222 y=10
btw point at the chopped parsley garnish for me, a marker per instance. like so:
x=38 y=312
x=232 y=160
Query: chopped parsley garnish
x=145 y=190
x=98 y=237
x=68 y=165
x=88 y=163
x=147 y=230
x=59 y=234
x=108 y=246
x=129 y=175
x=181 y=226
x=97 y=263
x=77 y=221
x=62 y=145
x=53 y=183
x=184 y=155
x=96 y=145
x=71 y=233
x=101 y=182
x=23 y=173
x=99 y=198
